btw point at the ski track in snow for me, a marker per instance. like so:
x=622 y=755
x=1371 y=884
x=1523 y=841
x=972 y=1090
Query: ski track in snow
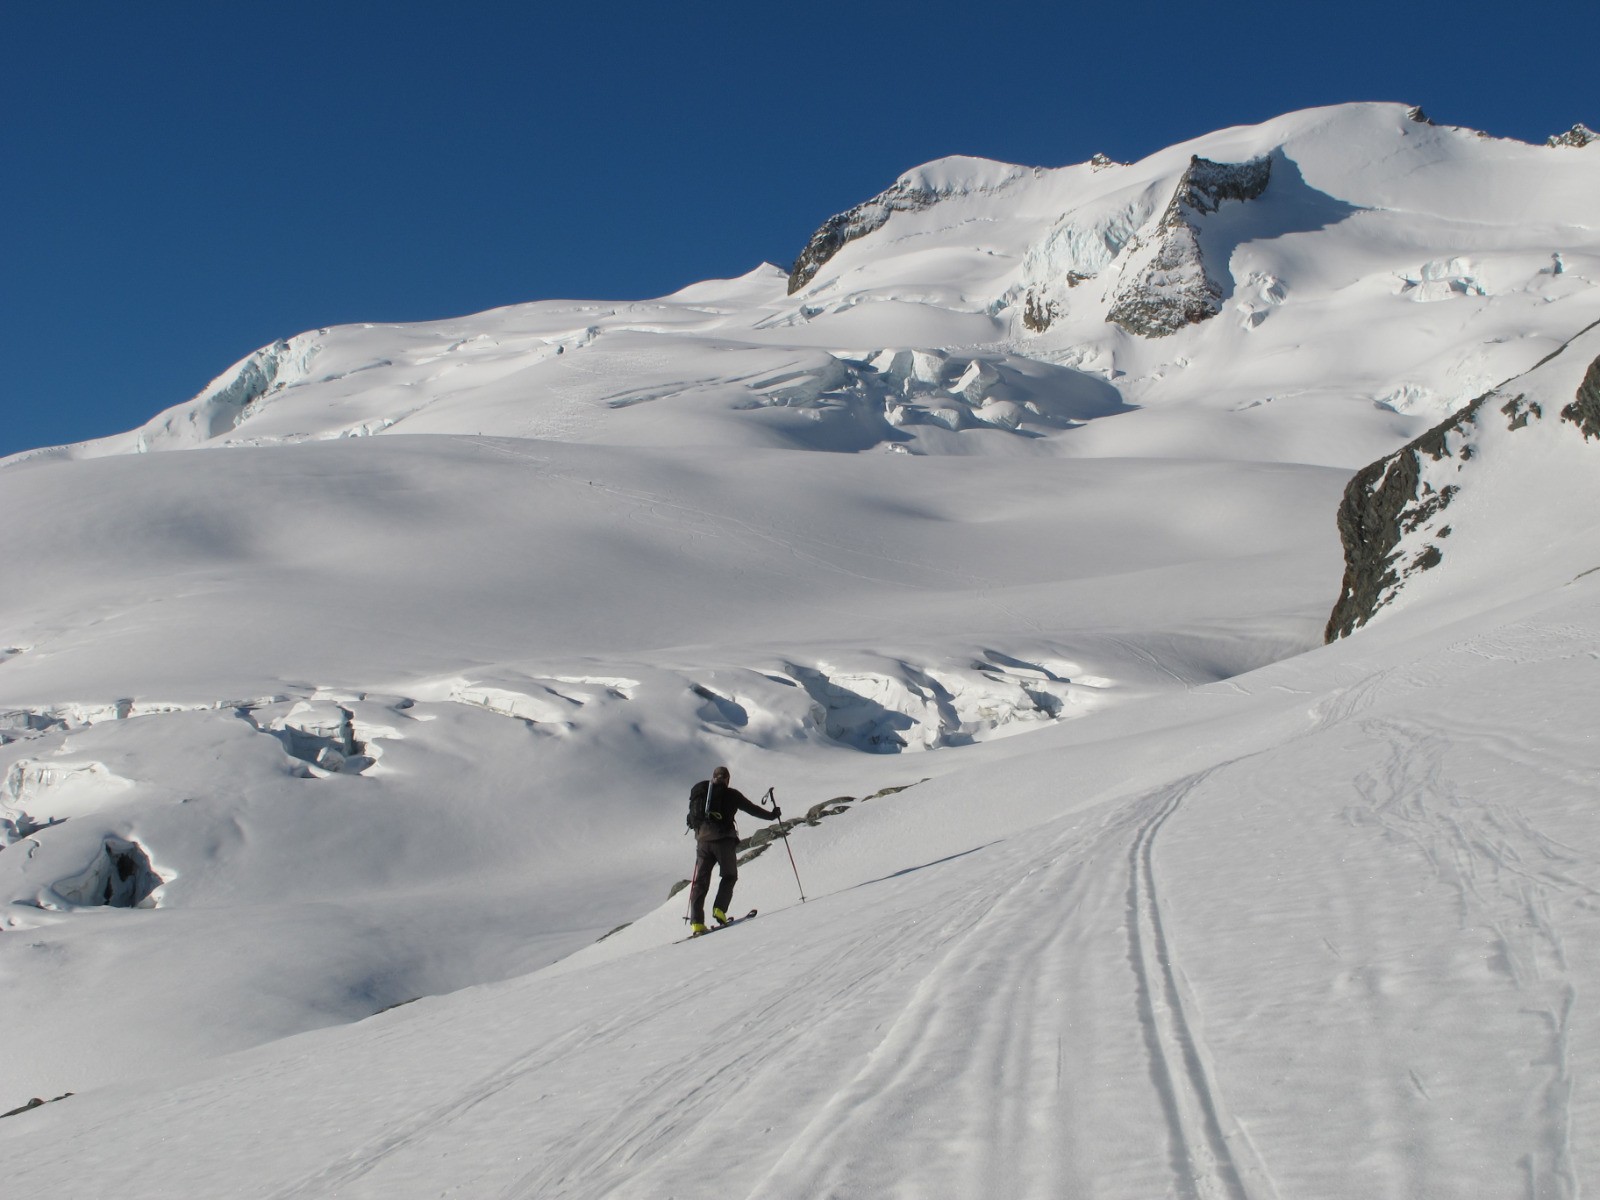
x=983 y=979
x=1212 y=1155
x=975 y=1061
x=1324 y=940
x=1016 y=1020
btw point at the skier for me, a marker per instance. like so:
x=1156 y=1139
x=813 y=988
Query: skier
x=717 y=842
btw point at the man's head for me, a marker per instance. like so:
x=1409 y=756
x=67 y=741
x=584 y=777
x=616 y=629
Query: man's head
x=720 y=775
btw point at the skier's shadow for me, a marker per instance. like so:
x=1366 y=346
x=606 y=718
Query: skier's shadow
x=924 y=866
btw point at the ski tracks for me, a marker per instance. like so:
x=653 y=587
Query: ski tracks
x=1013 y=1068
x=668 y=1123
x=1212 y=1155
x=1012 y=1023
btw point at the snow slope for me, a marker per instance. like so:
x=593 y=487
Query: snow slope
x=1322 y=930
x=390 y=682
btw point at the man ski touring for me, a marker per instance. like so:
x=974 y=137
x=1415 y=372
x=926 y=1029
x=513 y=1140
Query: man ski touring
x=712 y=805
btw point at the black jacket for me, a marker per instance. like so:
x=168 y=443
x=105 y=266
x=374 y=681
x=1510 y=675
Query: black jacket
x=721 y=806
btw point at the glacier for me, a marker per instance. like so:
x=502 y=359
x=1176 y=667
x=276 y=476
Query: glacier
x=348 y=711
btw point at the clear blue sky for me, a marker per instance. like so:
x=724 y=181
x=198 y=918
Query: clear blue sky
x=184 y=182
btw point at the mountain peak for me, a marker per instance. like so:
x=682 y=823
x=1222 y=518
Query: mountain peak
x=961 y=173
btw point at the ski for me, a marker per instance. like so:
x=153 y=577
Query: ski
x=714 y=928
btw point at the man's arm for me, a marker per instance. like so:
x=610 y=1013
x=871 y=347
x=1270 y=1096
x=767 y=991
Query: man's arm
x=745 y=804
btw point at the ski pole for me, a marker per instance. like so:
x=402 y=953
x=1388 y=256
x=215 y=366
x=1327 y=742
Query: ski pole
x=694 y=878
x=783 y=830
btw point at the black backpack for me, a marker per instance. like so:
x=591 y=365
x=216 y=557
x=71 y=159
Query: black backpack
x=699 y=794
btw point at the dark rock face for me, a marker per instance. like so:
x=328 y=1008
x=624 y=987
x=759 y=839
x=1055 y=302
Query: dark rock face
x=1381 y=503
x=1415 y=113
x=1579 y=136
x=1173 y=291
x=1206 y=184
x=1037 y=314
x=1584 y=412
x=1521 y=410
x=36 y=1102
x=1173 y=288
x=839 y=231
x=1391 y=498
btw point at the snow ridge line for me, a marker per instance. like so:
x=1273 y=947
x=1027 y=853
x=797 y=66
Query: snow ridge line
x=1211 y=1154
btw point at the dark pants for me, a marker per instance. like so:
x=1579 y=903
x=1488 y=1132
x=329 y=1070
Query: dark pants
x=724 y=855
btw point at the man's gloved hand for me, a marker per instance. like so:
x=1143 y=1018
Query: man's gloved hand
x=777 y=812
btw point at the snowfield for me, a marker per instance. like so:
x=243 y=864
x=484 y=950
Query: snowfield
x=348 y=713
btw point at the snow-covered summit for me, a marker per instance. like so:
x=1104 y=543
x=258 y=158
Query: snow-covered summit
x=1179 y=289
x=961 y=174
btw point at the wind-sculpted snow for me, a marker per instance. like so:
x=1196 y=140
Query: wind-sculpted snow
x=1443 y=278
x=40 y=793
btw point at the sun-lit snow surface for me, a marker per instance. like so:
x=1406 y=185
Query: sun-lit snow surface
x=1322 y=930
x=1390 y=267
x=349 y=720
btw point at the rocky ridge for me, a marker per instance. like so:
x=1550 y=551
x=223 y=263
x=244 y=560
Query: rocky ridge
x=840 y=230
x=914 y=191
x=1167 y=284
x=1579 y=136
x=1391 y=519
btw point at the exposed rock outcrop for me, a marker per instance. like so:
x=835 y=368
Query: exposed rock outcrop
x=36 y=1102
x=839 y=231
x=1390 y=516
x=1382 y=503
x=922 y=188
x=1166 y=284
x=1579 y=136
x=1584 y=411
x=1038 y=314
